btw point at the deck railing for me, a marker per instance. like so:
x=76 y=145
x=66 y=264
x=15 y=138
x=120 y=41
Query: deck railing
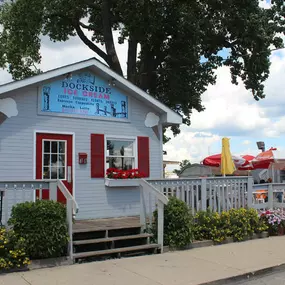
x=218 y=194
x=23 y=191
x=151 y=198
x=268 y=196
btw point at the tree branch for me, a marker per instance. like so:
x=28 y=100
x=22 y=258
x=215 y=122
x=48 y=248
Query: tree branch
x=88 y=27
x=89 y=43
x=113 y=59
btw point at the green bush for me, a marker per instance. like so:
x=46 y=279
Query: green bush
x=203 y=223
x=221 y=227
x=256 y=224
x=237 y=223
x=43 y=226
x=210 y=225
x=178 y=223
x=12 y=252
x=240 y=224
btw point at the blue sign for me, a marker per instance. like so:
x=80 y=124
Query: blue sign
x=84 y=94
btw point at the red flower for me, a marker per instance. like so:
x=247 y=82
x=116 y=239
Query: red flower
x=124 y=174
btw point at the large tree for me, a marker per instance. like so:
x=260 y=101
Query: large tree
x=173 y=45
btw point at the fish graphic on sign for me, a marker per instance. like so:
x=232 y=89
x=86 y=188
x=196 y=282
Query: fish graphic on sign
x=86 y=78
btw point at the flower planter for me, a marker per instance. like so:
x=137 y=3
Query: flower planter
x=122 y=182
x=49 y=262
x=14 y=270
x=202 y=243
x=226 y=241
x=262 y=235
x=280 y=231
x=254 y=236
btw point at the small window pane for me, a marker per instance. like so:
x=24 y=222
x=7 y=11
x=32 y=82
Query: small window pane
x=54 y=147
x=47 y=146
x=61 y=148
x=61 y=160
x=46 y=160
x=120 y=163
x=61 y=173
x=53 y=172
x=46 y=173
x=54 y=159
x=120 y=148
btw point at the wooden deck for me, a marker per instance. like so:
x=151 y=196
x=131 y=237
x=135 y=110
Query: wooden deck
x=106 y=224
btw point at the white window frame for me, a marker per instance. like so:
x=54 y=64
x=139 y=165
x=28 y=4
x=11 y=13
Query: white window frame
x=121 y=138
x=65 y=160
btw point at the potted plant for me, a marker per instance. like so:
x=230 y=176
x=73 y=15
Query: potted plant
x=275 y=220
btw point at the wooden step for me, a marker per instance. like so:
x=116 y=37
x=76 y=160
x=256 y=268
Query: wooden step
x=116 y=250
x=110 y=239
x=101 y=229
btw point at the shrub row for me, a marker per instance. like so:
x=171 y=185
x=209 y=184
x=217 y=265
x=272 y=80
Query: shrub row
x=181 y=228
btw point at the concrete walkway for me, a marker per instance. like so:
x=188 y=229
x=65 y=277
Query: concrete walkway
x=195 y=266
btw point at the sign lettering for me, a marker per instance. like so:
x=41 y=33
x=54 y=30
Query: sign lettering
x=84 y=94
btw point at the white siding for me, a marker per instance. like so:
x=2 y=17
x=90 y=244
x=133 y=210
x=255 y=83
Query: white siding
x=95 y=200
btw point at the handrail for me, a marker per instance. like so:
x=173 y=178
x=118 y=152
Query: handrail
x=160 y=196
x=196 y=178
x=67 y=195
x=161 y=201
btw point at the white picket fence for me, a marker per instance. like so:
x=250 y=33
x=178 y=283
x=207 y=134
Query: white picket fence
x=218 y=194
x=222 y=193
x=14 y=192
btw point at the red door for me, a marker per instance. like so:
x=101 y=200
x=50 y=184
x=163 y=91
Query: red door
x=54 y=161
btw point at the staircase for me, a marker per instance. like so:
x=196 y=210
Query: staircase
x=110 y=238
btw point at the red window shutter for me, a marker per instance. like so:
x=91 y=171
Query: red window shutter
x=97 y=156
x=143 y=155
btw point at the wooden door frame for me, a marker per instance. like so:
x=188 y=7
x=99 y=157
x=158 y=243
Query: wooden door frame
x=73 y=153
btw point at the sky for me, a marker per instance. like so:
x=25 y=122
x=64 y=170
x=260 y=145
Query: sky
x=230 y=110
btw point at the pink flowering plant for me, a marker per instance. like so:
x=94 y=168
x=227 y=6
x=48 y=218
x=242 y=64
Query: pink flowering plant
x=275 y=220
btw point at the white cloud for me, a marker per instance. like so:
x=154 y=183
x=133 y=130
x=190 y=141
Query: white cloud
x=246 y=142
x=193 y=146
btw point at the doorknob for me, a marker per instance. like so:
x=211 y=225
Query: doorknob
x=69 y=177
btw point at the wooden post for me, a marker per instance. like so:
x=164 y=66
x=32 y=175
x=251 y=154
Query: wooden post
x=204 y=194
x=5 y=208
x=249 y=191
x=160 y=224
x=142 y=209
x=270 y=196
x=53 y=191
x=69 y=217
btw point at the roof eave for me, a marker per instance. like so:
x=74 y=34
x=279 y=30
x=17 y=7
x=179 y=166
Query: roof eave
x=171 y=119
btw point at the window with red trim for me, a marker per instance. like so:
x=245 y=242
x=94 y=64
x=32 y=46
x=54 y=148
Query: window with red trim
x=120 y=153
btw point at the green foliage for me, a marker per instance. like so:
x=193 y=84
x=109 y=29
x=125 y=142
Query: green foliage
x=261 y=226
x=237 y=223
x=210 y=225
x=43 y=226
x=183 y=164
x=221 y=227
x=203 y=222
x=173 y=36
x=240 y=223
x=12 y=251
x=177 y=223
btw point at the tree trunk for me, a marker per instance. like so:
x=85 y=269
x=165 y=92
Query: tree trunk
x=113 y=59
x=132 y=59
x=147 y=69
